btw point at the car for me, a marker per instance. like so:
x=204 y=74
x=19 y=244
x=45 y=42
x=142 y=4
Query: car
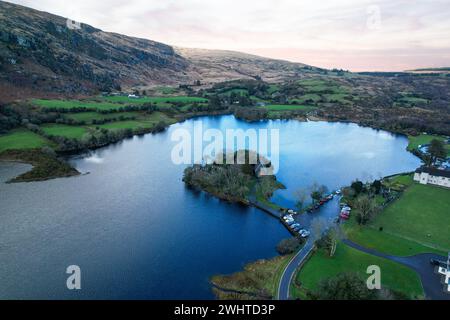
x=290 y=211
x=290 y=222
x=287 y=217
x=296 y=229
x=345 y=217
x=296 y=225
x=304 y=233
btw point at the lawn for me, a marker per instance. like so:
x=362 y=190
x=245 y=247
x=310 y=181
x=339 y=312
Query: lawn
x=421 y=214
x=346 y=259
x=22 y=139
x=73 y=132
x=288 y=107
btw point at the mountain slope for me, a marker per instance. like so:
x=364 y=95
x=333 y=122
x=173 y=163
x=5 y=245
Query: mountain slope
x=41 y=55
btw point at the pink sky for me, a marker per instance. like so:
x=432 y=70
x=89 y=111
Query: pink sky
x=358 y=35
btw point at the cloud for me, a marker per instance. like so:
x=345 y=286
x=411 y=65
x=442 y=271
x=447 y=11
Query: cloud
x=284 y=27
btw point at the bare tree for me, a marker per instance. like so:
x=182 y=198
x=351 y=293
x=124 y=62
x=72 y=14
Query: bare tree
x=301 y=197
x=366 y=207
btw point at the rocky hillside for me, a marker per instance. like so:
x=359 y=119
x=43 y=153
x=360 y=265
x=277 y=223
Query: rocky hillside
x=41 y=55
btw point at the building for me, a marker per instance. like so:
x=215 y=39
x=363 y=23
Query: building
x=437 y=177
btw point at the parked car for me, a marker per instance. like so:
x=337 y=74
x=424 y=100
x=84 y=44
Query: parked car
x=304 y=233
x=296 y=229
x=290 y=222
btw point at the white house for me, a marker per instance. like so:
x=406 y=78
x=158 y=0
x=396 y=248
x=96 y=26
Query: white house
x=438 y=177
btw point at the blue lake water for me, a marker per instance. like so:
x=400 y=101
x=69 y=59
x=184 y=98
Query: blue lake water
x=138 y=233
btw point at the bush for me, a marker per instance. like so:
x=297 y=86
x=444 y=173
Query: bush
x=288 y=246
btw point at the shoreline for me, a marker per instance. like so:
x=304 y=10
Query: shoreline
x=180 y=119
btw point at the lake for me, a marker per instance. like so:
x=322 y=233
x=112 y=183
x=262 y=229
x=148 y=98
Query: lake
x=137 y=233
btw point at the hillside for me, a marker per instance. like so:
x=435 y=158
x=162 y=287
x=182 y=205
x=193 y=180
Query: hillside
x=41 y=56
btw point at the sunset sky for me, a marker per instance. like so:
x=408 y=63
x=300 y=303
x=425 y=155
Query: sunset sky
x=357 y=35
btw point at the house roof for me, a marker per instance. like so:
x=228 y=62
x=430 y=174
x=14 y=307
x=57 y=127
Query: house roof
x=434 y=172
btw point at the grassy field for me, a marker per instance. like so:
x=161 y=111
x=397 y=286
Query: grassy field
x=73 y=132
x=156 y=100
x=69 y=104
x=89 y=116
x=416 y=223
x=22 y=139
x=346 y=259
x=421 y=214
x=416 y=141
x=141 y=122
x=309 y=96
x=288 y=107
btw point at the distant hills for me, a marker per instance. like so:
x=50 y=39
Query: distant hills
x=41 y=55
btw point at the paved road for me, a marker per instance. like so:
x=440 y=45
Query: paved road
x=289 y=272
x=327 y=213
x=420 y=263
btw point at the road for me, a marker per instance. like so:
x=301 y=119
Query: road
x=289 y=272
x=327 y=214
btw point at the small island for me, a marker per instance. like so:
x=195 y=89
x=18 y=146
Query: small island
x=247 y=179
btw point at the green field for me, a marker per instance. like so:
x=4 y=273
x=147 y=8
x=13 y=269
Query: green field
x=306 y=97
x=142 y=122
x=22 y=139
x=69 y=104
x=73 y=132
x=241 y=92
x=89 y=116
x=346 y=259
x=416 y=223
x=416 y=141
x=337 y=97
x=273 y=88
x=318 y=86
x=288 y=107
x=421 y=214
x=156 y=100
